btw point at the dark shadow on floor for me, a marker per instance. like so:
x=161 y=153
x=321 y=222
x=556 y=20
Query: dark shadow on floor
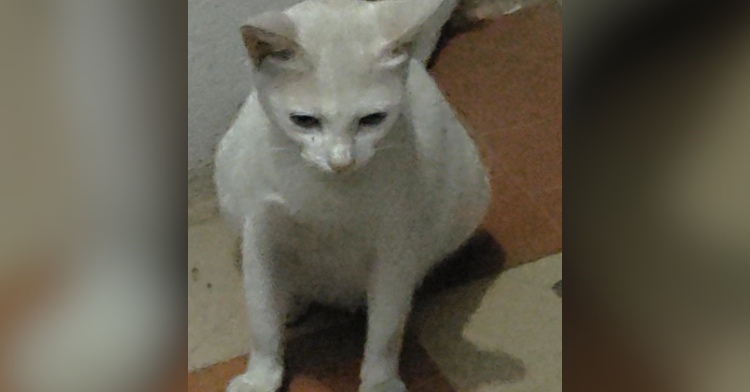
x=481 y=257
x=332 y=358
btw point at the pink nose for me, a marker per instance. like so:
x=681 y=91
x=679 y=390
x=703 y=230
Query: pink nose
x=340 y=165
x=340 y=159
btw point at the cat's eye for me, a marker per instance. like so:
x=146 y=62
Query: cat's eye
x=372 y=120
x=305 y=121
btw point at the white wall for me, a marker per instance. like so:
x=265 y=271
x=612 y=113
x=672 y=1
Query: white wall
x=217 y=76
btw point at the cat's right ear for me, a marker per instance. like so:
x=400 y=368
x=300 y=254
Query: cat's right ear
x=271 y=36
x=403 y=23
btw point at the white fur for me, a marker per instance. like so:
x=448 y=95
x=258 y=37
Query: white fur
x=416 y=191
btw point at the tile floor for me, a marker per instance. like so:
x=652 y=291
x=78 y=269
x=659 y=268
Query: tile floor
x=474 y=328
x=484 y=336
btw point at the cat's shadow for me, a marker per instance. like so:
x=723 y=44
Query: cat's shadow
x=481 y=257
x=339 y=349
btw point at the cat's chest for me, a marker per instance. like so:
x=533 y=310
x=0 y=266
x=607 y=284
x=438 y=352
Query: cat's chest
x=319 y=205
x=347 y=201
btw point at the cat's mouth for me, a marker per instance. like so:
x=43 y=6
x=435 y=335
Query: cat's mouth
x=342 y=169
x=337 y=171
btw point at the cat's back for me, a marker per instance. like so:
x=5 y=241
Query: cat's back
x=442 y=140
x=451 y=163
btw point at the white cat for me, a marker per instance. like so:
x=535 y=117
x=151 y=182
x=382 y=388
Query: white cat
x=347 y=173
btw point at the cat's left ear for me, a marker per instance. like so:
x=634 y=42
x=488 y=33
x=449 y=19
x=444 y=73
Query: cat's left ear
x=270 y=36
x=402 y=22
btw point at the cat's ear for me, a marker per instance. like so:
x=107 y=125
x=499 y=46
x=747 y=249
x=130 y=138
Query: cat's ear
x=270 y=36
x=402 y=22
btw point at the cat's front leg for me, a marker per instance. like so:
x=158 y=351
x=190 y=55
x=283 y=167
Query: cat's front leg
x=265 y=303
x=389 y=295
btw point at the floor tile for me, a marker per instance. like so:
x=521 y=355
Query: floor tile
x=217 y=316
x=499 y=334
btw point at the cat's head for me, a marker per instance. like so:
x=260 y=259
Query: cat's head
x=331 y=74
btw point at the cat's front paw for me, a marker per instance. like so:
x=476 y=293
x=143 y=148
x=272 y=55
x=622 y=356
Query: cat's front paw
x=392 y=385
x=255 y=382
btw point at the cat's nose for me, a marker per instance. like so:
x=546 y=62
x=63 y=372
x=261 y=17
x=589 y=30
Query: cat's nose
x=341 y=165
x=340 y=159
